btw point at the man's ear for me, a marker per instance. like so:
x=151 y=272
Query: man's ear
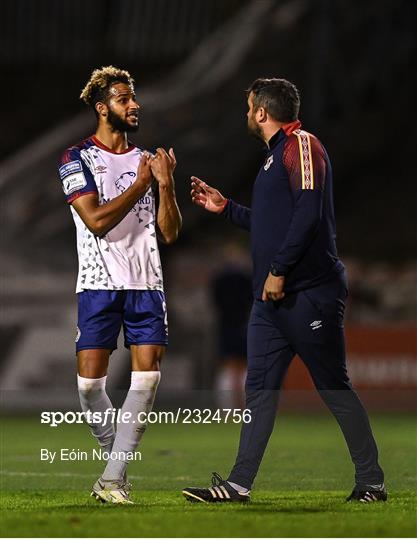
x=101 y=108
x=261 y=115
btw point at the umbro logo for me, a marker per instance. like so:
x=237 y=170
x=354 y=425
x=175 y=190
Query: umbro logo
x=315 y=325
x=100 y=169
x=268 y=163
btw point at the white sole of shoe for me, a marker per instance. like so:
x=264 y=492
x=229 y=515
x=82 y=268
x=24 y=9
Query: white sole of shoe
x=191 y=497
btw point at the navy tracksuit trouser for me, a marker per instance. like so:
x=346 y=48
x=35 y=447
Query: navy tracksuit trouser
x=308 y=323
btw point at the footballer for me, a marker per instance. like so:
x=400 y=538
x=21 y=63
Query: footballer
x=122 y=200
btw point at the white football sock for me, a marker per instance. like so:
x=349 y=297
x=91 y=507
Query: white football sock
x=93 y=397
x=140 y=398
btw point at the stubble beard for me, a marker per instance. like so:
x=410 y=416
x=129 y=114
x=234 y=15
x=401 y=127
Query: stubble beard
x=254 y=130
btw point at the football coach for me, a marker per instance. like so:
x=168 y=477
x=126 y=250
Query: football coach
x=300 y=291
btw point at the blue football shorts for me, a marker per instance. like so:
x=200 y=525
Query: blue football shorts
x=102 y=314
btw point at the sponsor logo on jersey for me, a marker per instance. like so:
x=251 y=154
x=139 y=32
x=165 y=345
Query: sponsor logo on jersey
x=268 y=163
x=73 y=183
x=315 y=325
x=100 y=169
x=70 y=168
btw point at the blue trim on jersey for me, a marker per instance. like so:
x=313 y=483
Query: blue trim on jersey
x=76 y=177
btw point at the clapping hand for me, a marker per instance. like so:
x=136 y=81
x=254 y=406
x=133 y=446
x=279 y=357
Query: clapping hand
x=162 y=166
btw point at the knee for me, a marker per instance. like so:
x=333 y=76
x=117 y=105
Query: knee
x=333 y=385
x=254 y=381
x=146 y=358
x=153 y=366
x=257 y=384
x=330 y=378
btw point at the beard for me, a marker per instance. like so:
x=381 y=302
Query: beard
x=119 y=124
x=254 y=130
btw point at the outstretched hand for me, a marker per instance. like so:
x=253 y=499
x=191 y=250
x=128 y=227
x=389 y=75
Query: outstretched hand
x=207 y=197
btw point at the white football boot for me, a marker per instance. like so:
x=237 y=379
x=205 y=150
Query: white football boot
x=112 y=491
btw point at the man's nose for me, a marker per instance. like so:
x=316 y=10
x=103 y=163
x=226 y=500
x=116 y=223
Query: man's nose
x=133 y=105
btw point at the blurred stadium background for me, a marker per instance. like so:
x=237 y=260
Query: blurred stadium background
x=354 y=63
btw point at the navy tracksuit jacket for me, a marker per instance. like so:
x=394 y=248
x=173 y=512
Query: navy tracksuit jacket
x=293 y=231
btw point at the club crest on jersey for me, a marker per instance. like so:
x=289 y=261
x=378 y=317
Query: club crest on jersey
x=125 y=180
x=315 y=325
x=268 y=163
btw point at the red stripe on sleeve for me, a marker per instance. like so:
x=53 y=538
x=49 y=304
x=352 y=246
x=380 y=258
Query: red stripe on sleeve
x=79 y=194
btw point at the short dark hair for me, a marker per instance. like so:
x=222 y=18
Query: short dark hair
x=97 y=88
x=279 y=97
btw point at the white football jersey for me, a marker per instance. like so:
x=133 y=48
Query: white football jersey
x=127 y=257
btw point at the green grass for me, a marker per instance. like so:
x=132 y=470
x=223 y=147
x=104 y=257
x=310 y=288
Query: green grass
x=300 y=490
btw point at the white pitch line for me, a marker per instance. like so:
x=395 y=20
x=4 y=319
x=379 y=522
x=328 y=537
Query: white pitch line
x=80 y=475
x=20 y=473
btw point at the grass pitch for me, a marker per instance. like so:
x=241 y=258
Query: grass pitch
x=300 y=490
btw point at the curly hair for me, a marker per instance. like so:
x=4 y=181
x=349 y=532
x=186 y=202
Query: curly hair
x=97 y=88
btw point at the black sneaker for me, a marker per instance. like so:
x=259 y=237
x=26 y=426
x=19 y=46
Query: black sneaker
x=220 y=491
x=368 y=495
